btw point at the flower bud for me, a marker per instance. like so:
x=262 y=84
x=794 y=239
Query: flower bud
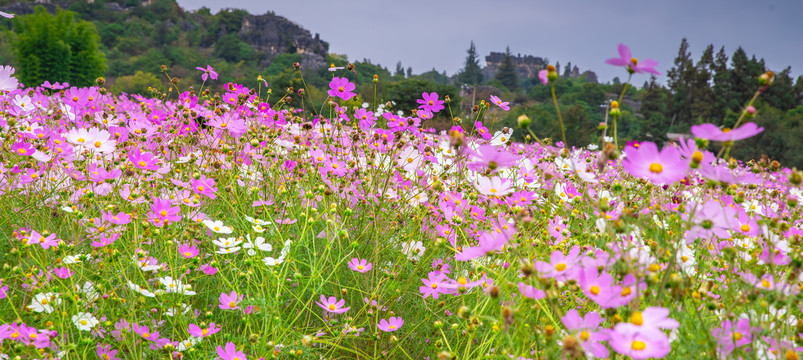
x=796 y=177
x=523 y=121
x=296 y=65
x=766 y=78
x=602 y=126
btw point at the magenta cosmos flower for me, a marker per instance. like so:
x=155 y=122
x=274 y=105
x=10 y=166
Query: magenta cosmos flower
x=430 y=102
x=639 y=343
x=342 y=88
x=204 y=186
x=196 y=331
x=498 y=102
x=332 y=305
x=713 y=133
x=662 y=168
x=360 y=265
x=230 y=352
x=106 y=352
x=393 y=324
x=632 y=64
x=209 y=72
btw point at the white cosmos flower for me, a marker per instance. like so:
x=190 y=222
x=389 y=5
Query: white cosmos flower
x=140 y=290
x=413 y=249
x=175 y=286
x=686 y=260
x=227 y=242
x=258 y=229
x=258 y=243
x=84 y=321
x=74 y=259
x=44 y=302
x=225 y=251
x=186 y=344
x=217 y=226
x=173 y=310
x=89 y=291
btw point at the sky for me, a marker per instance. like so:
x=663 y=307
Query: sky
x=427 y=34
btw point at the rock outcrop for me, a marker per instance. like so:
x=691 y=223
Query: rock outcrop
x=276 y=35
x=527 y=66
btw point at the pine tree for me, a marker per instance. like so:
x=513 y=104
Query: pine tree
x=507 y=72
x=557 y=67
x=722 y=86
x=702 y=96
x=653 y=108
x=399 y=70
x=798 y=90
x=678 y=81
x=568 y=70
x=471 y=73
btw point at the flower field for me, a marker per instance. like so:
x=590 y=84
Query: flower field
x=235 y=225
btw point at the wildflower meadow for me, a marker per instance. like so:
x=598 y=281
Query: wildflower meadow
x=260 y=223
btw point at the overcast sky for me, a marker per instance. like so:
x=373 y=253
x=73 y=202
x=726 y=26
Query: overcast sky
x=423 y=34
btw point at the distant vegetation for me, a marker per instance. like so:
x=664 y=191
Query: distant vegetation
x=137 y=39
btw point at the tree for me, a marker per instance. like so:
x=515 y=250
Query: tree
x=506 y=74
x=702 y=96
x=679 y=81
x=399 y=73
x=722 y=85
x=471 y=73
x=57 y=48
x=568 y=70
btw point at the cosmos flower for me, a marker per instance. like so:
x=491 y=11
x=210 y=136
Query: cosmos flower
x=632 y=64
x=342 y=88
x=390 y=325
x=208 y=72
x=230 y=301
x=230 y=352
x=663 y=168
x=430 y=102
x=714 y=133
x=498 y=102
x=360 y=265
x=332 y=305
x=196 y=331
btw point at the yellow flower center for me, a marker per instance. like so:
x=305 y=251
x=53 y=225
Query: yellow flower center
x=634 y=61
x=163 y=213
x=360 y=267
x=638 y=345
x=745 y=228
x=332 y=307
x=656 y=168
x=204 y=332
x=584 y=335
x=637 y=319
x=187 y=254
x=83 y=322
x=626 y=291
x=560 y=267
x=737 y=336
x=340 y=89
x=765 y=283
x=431 y=102
x=22 y=151
x=200 y=188
x=594 y=290
x=142 y=163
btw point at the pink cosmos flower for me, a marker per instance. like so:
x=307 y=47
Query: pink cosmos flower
x=587 y=331
x=661 y=168
x=209 y=72
x=730 y=336
x=709 y=219
x=543 y=75
x=488 y=243
x=145 y=332
x=105 y=352
x=23 y=149
x=430 y=102
x=632 y=64
x=342 y=88
x=163 y=211
x=204 y=186
x=143 y=160
x=196 y=331
x=389 y=326
x=188 y=251
x=714 y=133
x=639 y=343
x=6 y=15
x=561 y=267
x=44 y=242
x=230 y=301
x=530 y=291
x=498 y=102
x=63 y=272
x=492 y=157
x=230 y=352
x=360 y=265
x=7 y=82
x=494 y=186
x=106 y=239
x=120 y=218
x=332 y=305
x=434 y=285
